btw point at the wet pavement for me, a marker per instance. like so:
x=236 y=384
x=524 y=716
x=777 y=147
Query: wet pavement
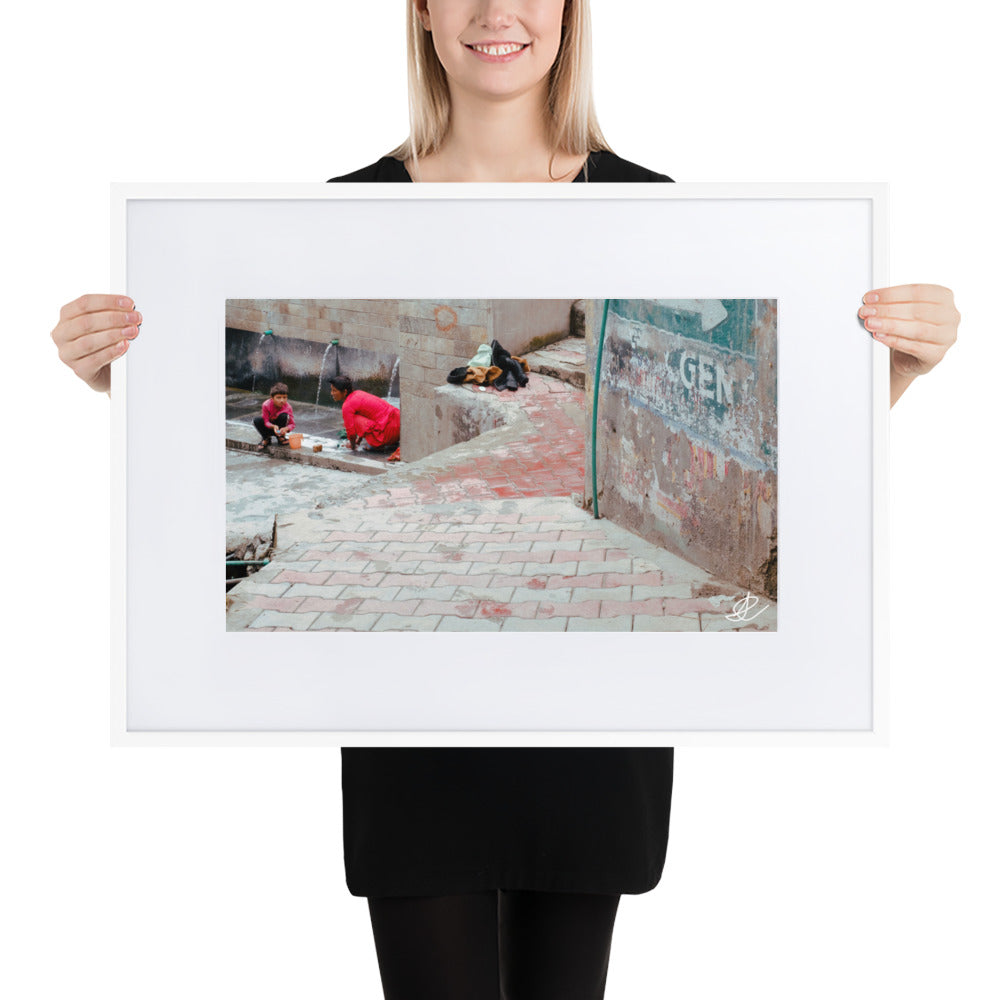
x=484 y=536
x=322 y=421
x=258 y=488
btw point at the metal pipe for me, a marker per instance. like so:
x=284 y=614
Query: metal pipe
x=247 y=562
x=597 y=396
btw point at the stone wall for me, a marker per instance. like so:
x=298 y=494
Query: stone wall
x=687 y=430
x=430 y=338
x=372 y=324
x=525 y=325
x=463 y=415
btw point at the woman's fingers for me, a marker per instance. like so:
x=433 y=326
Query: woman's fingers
x=918 y=321
x=86 y=335
x=930 y=305
x=91 y=316
x=910 y=326
x=95 y=303
x=910 y=293
x=922 y=312
x=92 y=331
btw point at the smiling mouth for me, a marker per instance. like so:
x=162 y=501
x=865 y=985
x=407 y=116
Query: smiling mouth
x=504 y=49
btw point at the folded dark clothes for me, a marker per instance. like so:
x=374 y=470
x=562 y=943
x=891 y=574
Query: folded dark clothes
x=500 y=353
x=473 y=373
x=513 y=369
x=510 y=376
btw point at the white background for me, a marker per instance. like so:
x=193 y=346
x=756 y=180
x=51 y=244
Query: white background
x=217 y=873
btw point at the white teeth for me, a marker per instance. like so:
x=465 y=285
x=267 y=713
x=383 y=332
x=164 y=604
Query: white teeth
x=498 y=50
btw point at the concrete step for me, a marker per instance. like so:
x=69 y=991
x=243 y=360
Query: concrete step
x=331 y=453
x=565 y=360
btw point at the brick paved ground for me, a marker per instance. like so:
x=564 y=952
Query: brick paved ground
x=482 y=538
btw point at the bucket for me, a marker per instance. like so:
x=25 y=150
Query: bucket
x=295 y=440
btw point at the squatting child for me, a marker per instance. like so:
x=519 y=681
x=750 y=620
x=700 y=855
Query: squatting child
x=275 y=418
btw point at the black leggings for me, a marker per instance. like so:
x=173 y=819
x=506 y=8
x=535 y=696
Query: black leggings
x=494 y=945
x=264 y=431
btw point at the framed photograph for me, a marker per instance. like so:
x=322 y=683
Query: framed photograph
x=500 y=468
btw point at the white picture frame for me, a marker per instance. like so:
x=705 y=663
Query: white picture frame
x=182 y=250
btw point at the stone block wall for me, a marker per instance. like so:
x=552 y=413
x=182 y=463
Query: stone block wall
x=525 y=325
x=369 y=323
x=687 y=430
x=434 y=338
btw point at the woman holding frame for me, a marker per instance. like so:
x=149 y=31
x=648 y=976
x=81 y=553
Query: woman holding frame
x=497 y=872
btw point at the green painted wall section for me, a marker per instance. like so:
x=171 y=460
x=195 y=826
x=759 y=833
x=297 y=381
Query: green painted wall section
x=685 y=318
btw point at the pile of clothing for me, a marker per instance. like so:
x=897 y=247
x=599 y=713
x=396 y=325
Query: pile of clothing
x=495 y=366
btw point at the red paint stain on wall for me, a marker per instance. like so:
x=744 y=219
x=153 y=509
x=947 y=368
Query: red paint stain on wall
x=445 y=318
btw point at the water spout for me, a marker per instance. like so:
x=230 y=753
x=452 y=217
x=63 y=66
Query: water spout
x=319 y=384
x=394 y=381
x=266 y=333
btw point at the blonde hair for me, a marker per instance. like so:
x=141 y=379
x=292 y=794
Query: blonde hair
x=572 y=121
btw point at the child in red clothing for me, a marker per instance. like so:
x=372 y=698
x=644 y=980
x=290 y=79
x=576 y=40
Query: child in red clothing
x=275 y=417
x=366 y=417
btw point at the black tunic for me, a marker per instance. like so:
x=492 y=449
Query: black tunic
x=439 y=821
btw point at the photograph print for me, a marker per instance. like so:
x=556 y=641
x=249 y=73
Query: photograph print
x=501 y=465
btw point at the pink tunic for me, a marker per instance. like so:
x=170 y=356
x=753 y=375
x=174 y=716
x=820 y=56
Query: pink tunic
x=270 y=412
x=366 y=416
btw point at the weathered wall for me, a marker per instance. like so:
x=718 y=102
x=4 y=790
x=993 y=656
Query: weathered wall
x=687 y=430
x=429 y=337
x=525 y=325
x=255 y=362
x=461 y=414
x=434 y=337
x=367 y=323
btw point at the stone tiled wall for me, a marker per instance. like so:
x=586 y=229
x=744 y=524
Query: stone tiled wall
x=373 y=321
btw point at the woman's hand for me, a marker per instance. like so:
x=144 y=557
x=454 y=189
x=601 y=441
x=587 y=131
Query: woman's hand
x=918 y=323
x=92 y=331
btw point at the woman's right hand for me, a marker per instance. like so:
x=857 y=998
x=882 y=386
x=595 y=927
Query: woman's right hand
x=92 y=331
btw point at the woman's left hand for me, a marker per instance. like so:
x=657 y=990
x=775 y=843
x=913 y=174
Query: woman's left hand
x=918 y=323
